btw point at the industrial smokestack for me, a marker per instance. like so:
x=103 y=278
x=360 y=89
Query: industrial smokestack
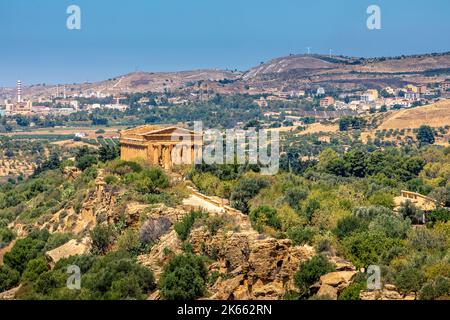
x=19 y=91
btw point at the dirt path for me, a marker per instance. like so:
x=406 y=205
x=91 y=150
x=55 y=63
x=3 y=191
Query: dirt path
x=6 y=249
x=197 y=202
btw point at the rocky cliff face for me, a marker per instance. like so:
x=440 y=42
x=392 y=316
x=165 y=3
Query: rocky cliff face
x=249 y=265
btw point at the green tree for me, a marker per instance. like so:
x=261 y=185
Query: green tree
x=23 y=251
x=34 y=269
x=310 y=272
x=9 y=278
x=102 y=237
x=265 y=216
x=391 y=226
x=108 y=152
x=301 y=235
x=409 y=279
x=348 y=225
x=425 y=135
x=184 y=278
x=409 y=210
x=245 y=190
x=438 y=288
x=365 y=248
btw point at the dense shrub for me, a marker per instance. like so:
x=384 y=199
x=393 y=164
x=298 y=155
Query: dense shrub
x=121 y=167
x=148 y=180
x=371 y=212
x=102 y=237
x=311 y=271
x=184 y=278
x=409 y=279
x=422 y=239
x=365 y=248
x=265 y=216
x=183 y=228
x=440 y=215
x=129 y=241
x=34 y=269
x=409 y=210
x=25 y=250
x=116 y=276
x=9 y=278
x=391 y=226
x=352 y=291
x=301 y=235
x=245 y=190
x=348 y=225
x=86 y=161
x=6 y=236
x=438 y=288
x=294 y=196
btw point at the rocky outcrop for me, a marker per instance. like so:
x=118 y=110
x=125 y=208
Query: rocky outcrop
x=332 y=284
x=71 y=248
x=161 y=253
x=10 y=294
x=253 y=267
x=71 y=173
x=389 y=292
x=342 y=264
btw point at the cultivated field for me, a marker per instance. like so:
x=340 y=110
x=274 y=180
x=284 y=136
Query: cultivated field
x=90 y=131
x=16 y=166
x=435 y=115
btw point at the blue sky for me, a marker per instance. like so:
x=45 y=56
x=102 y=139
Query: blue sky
x=120 y=36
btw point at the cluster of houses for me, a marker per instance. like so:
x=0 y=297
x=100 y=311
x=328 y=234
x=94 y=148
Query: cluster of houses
x=359 y=102
x=364 y=101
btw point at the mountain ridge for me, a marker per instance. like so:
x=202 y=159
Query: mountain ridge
x=292 y=72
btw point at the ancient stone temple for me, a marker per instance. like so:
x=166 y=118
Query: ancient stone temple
x=161 y=146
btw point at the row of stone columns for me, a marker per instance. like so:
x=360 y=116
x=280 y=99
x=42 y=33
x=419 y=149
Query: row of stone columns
x=168 y=155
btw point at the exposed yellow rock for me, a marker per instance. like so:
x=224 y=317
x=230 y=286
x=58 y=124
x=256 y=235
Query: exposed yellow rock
x=328 y=291
x=389 y=292
x=337 y=278
x=71 y=248
x=161 y=253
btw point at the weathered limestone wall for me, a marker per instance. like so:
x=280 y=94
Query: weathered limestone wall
x=130 y=152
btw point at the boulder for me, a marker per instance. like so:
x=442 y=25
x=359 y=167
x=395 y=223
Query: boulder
x=337 y=278
x=154 y=296
x=389 y=292
x=71 y=248
x=10 y=294
x=161 y=253
x=225 y=289
x=328 y=291
x=270 y=291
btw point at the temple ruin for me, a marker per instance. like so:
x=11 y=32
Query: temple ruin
x=161 y=146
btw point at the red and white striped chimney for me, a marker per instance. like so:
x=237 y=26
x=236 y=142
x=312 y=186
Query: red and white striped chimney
x=19 y=91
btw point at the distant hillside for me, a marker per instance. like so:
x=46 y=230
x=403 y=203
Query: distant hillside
x=311 y=71
x=293 y=72
x=137 y=82
x=435 y=115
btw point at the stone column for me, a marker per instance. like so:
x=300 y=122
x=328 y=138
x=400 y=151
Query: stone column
x=198 y=152
x=155 y=155
x=160 y=156
x=192 y=155
x=166 y=157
